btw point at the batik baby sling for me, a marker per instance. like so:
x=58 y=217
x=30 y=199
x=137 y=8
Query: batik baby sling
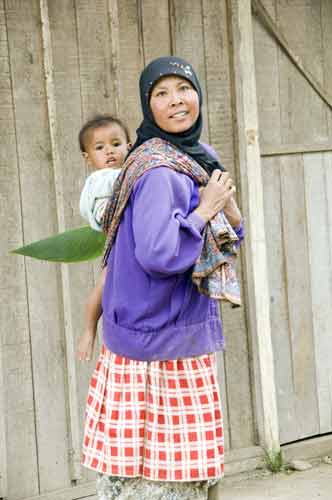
x=214 y=271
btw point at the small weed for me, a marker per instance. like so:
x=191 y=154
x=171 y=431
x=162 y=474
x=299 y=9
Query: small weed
x=274 y=461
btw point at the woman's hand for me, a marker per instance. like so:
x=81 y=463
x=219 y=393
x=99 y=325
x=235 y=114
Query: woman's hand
x=85 y=345
x=216 y=195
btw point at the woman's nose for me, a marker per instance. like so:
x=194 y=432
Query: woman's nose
x=175 y=99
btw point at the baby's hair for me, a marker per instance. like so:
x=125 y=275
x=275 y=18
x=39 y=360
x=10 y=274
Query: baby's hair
x=99 y=121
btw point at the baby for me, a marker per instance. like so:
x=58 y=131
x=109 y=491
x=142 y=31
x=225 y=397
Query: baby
x=104 y=143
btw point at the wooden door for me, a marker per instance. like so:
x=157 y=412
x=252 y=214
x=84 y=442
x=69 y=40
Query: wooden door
x=296 y=147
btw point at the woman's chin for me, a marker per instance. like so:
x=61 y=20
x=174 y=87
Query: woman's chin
x=177 y=128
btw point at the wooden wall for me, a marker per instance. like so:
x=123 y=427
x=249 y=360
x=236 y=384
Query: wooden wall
x=296 y=146
x=62 y=61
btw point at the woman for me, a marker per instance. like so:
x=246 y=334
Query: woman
x=153 y=419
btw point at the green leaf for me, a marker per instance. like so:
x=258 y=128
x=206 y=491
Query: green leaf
x=74 y=245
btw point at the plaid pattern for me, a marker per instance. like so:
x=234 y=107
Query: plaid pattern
x=214 y=272
x=160 y=420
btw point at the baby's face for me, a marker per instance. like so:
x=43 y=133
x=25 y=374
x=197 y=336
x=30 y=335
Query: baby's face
x=106 y=147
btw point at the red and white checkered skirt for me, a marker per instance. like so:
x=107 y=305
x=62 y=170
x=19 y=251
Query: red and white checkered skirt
x=160 y=420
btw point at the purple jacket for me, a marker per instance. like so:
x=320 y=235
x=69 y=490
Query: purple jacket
x=151 y=308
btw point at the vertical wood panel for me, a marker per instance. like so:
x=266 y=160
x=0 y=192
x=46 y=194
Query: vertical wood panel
x=39 y=220
x=278 y=299
x=250 y=168
x=326 y=23
x=218 y=84
x=68 y=100
x=60 y=181
x=18 y=447
x=302 y=111
x=3 y=434
x=299 y=296
x=131 y=63
x=267 y=75
x=317 y=171
x=95 y=56
x=155 y=29
x=96 y=59
x=240 y=424
x=188 y=42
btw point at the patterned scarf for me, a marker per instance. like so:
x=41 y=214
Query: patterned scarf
x=214 y=272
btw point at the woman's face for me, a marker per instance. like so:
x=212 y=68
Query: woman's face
x=174 y=104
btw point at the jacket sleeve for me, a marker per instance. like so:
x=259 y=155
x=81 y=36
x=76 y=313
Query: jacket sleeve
x=240 y=233
x=167 y=236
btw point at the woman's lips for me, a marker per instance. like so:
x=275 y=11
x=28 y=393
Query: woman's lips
x=179 y=114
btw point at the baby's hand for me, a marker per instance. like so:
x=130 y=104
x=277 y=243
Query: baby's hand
x=85 y=345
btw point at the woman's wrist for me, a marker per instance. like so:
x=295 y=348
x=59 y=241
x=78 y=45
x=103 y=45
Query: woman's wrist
x=232 y=213
x=203 y=213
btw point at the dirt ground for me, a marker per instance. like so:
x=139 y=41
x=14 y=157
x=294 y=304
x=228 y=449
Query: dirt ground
x=312 y=484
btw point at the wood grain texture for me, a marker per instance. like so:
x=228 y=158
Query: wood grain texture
x=39 y=220
x=303 y=115
x=278 y=299
x=71 y=168
x=255 y=248
x=132 y=62
x=155 y=27
x=326 y=21
x=323 y=342
x=299 y=296
x=220 y=114
x=318 y=177
x=267 y=78
x=17 y=421
x=60 y=181
x=294 y=57
x=95 y=57
x=188 y=42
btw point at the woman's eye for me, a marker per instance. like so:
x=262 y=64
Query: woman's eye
x=184 y=87
x=161 y=93
x=98 y=148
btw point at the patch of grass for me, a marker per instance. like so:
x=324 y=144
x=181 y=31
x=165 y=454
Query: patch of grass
x=274 y=461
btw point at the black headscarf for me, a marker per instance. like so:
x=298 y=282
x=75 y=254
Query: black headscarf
x=187 y=141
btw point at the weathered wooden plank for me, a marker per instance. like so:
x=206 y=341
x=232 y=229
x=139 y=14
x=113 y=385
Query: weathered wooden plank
x=86 y=492
x=17 y=420
x=255 y=248
x=60 y=181
x=327 y=167
x=299 y=297
x=3 y=429
x=303 y=114
x=39 y=220
x=80 y=278
x=94 y=39
x=319 y=207
x=267 y=77
x=278 y=299
x=303 y=68
x=99 y=81
x=326 y=23
x=218 y=85
x=188 y=42
x=132 y=62
x=288 y=149
x=155 y=27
